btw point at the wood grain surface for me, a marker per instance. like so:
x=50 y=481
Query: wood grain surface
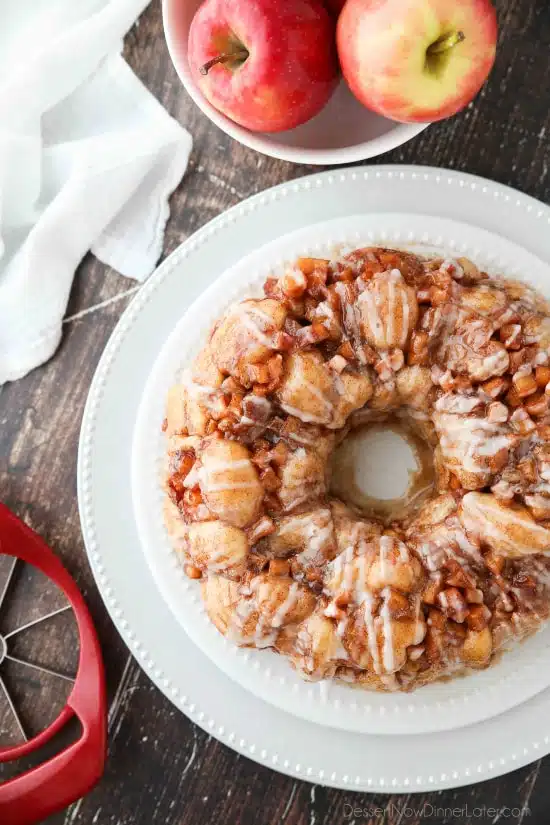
x=161 y=768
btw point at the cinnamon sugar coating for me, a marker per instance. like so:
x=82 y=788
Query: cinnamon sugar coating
x=462 y=356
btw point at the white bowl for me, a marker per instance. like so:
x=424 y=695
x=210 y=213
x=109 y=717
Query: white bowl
x=343 y=132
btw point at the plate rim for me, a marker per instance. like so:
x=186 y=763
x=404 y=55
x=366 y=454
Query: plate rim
x=493 y=765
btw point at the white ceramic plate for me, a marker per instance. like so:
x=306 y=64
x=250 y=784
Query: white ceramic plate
x=518 y=675
x=196 y=686
x=343 y=132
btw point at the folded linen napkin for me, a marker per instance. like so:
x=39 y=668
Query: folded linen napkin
x=88 y=159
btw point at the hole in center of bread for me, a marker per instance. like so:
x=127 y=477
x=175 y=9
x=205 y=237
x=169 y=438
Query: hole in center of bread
x=384 y=469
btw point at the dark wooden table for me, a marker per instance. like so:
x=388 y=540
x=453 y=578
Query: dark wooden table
x=162 y=769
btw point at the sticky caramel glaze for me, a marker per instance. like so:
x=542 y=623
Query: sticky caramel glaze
x=384 y=597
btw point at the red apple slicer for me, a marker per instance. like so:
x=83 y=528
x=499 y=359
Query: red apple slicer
x=31 y=796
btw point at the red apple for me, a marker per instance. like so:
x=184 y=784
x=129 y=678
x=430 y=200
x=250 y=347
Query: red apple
x=416 y=60
x=269 y=65
x=335 y=6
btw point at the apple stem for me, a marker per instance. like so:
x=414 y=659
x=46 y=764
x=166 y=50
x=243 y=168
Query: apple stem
x=448 y=41
x=230 y=57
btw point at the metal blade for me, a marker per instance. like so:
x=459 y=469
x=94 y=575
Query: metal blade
x=37 y=621
x=39 y=667
x=13 y=710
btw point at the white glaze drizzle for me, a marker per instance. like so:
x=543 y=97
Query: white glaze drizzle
x=309 y=418
x=468 y=440
x=250 y=316
x=284 y=609
x=318 y=537
x=315 y=391
x=197 y=391
x=214 y=468
x=388 y=653
x=370 y=626
x=367 y=300
x=478 y=515
x=300 y=438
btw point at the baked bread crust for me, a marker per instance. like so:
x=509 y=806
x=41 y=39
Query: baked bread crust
x=464 y=357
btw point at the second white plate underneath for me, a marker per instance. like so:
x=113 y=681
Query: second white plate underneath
x=518 y=676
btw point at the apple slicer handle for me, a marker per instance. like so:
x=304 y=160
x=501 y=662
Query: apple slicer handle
x=37 y=793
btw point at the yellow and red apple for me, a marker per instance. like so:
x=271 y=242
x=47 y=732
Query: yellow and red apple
x=269 y=65
x=416 y=60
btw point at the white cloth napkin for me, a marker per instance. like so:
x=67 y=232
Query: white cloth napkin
x=88 y=159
